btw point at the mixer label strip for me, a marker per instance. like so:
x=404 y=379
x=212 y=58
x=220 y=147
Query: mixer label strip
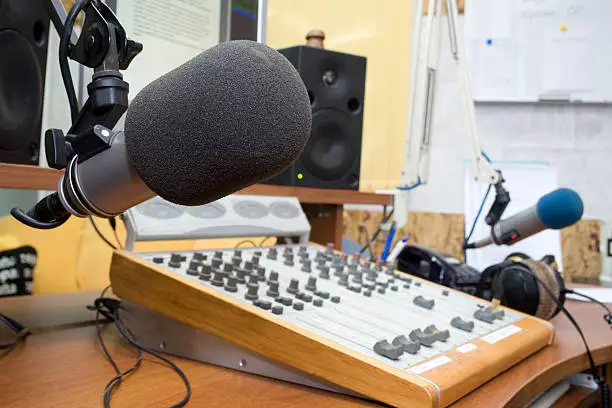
x=501 y=334
x=431 y=364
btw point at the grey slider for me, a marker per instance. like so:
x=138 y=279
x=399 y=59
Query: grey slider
x=425 y=303
x=228 y=267
x=488 y=314
x=293 y=287
x=335 y=299
x=252 y=290
x=218 y=255
x=298 y=306
x=323 y=295
x=194 y=267
x=441 y=335
x=408 y=346
x=312 y=284
x=264 y=304
x=273 y=277
x=424 y=338
x=272 y=289
x=216 y=262
x=230 y=285
x=390 y=351
x=324 y=272
x=236 y=261
x=343 y=280
x=261 y=273
x=284 y=300
x=318 y=302
x=461 y=324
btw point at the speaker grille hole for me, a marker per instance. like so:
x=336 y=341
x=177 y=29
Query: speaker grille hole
x=39 y=31
x=353 y=105
x=310 y=95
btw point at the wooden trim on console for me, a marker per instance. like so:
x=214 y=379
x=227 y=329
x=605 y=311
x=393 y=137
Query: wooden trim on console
x=221 y=315
x=28 y=177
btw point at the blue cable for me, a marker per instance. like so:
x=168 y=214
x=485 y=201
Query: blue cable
x=406 y=188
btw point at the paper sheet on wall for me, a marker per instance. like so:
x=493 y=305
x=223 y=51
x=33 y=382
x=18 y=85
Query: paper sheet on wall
x=526 y=184
x=171 y=33
x=567 y=66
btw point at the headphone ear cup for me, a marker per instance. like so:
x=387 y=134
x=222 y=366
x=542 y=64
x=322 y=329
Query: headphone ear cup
x=519 y=288
x=547 y=308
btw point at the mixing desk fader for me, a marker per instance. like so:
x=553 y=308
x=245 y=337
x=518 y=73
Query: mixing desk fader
x=344 y=324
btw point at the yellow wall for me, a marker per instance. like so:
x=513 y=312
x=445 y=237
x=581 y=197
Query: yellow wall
x=380 y=31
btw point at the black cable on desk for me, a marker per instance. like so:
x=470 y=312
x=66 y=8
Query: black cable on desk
x=601 y=382
x=109 y=308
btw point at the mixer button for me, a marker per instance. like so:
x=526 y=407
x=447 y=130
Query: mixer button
x=307 y=298
x=394 y=288
x=298 y=306
x=284 y=300
x=175 y=261
x=236 y=261
x=251 y=293
x=230 y=285
x=324 y=272
x=318 y=302
x=300 y=295
x=461 y=324
x=216 y=263
x=425 y=303
x=199 y=256
x=158 y=260
x=324 y=295
x=406 y=286
x=390 y=351
x=253 y=278
x=273 y=276
x=367 y=293
x=261 y=273
x=264 y=304
x=369 y=286
x=248 y=265
x=445 y=293
x=311 y=285
x=217 y=279
x=272 y=289
x=277 y=309
x=193 y=268
x=408 y=346
x=381 y=291
x=417 y=284
x=293 y=287
x=241 y=275
x=355 y=288
x=218 y=255
x=335 y=299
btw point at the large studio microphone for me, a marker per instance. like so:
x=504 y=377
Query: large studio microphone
x=236 y=114
x=558 y=209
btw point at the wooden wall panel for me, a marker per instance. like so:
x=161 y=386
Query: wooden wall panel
x=442 y=232
x=580 y=251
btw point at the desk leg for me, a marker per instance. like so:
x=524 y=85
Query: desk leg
x=325 y=223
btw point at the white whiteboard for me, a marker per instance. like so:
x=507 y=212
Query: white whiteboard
x=532 y=50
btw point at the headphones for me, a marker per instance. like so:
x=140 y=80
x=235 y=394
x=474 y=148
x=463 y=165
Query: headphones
x=513 y=283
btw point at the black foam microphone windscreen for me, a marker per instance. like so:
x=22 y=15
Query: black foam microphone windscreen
x=234 y=115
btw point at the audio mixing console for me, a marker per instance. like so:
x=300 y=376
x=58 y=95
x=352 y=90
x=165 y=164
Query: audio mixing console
x=337 y=322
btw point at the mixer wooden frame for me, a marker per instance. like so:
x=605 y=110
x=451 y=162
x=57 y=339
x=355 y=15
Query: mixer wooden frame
x=181 y=298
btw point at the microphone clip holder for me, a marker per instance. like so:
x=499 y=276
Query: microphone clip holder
x=103 y=45
x=502 y=199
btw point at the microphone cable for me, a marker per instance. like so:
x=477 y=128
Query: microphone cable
x=599 y=380
x=607 y=317
x=64 y=46
x=109 y=308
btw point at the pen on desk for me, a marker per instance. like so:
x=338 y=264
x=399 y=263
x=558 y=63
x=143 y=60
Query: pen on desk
x=388 y=243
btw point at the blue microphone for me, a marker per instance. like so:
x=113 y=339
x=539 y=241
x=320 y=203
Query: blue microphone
x=556 y=210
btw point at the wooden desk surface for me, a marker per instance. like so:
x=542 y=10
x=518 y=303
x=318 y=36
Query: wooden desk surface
x=66 y=368
x=41 y=178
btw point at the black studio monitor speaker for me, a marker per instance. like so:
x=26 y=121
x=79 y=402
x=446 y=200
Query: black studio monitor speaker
x=336 y=85
x=24 y=28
